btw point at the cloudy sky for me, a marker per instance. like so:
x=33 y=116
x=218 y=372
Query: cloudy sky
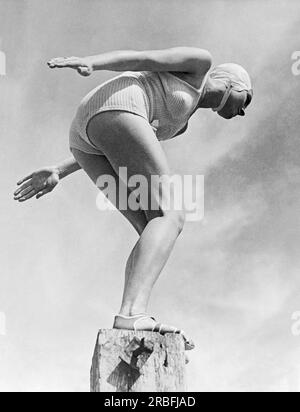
x=233 y=279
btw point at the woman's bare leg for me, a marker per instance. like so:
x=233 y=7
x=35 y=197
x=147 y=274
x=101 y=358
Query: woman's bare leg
x=146 y=262
x=96 y=166
x=128 y=141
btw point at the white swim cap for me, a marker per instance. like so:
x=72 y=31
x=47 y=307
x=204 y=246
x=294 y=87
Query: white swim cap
x=234 y=77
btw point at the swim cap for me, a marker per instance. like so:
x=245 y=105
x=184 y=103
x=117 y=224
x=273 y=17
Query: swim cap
x=234 y=76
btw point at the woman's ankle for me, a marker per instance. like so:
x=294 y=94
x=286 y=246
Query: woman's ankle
x=132 y=311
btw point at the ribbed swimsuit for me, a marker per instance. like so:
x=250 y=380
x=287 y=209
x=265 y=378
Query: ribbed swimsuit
x=164 y=100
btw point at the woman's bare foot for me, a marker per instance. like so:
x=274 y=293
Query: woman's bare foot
x=147 y=323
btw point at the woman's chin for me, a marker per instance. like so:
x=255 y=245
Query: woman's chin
x=225 y=116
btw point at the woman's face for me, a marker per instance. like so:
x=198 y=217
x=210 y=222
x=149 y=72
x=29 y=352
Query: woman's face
x=236 y=104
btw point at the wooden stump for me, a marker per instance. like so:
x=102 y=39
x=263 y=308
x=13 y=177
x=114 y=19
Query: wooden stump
x=128 y=361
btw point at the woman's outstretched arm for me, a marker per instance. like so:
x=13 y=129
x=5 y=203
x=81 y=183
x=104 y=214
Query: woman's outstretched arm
x=44 y=180
x=178 y=59
x=67 y=167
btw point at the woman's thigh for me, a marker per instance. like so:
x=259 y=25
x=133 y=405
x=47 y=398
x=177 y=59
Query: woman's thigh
x=127 y=140
x=96 y=166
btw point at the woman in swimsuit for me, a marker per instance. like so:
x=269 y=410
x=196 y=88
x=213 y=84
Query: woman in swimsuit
x=120 y=124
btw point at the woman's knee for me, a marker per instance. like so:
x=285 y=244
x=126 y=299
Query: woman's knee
x=176 y=218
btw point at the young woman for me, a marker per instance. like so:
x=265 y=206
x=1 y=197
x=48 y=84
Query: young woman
x=120 y=124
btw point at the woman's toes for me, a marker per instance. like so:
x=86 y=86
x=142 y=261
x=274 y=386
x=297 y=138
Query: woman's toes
x=147 y=323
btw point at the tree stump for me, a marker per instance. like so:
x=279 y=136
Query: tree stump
x=128 y=361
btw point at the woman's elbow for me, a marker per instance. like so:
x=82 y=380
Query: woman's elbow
x=204 y=60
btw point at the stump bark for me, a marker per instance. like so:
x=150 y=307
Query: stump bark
x=128 y=361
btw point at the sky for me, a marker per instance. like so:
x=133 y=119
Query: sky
x=232 y=281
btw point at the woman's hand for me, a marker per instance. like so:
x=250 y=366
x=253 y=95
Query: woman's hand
x=38 y=183
x=81 y=64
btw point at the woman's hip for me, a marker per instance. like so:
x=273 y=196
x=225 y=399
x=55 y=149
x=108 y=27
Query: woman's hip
x=77 y=140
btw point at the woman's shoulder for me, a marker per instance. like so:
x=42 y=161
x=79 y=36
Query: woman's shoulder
x=195 y=80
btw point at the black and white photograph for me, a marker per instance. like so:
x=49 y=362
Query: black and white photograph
x=150 y=180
